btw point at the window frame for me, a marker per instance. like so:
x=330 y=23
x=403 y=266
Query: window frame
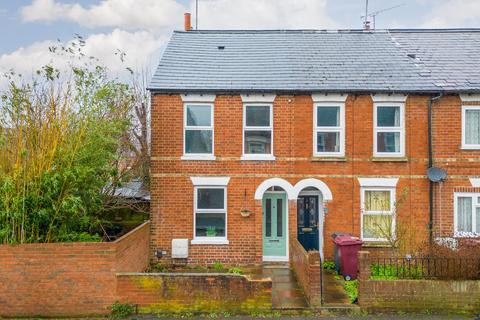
x=475 y=204
x=377 y=129
x=464 y=133
x=198 y=156
x=340 y=129
x=256 y=156
x=209 y=240
x=364 y=212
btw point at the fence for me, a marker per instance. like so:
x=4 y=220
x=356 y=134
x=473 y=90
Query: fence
x=425 y=268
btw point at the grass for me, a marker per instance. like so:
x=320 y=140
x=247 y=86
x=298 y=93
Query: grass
x=391 y=272
x=351 y=287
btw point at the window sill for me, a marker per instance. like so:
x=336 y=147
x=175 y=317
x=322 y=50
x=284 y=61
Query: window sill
x=328 y=159
x=198 y=157
x=389 y=159
x=469 y=148
x=251 y=157
x=210 y=242
x=376 y=244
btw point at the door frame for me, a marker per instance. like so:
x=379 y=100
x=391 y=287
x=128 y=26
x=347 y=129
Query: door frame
x=287 y=240
x=321 y=216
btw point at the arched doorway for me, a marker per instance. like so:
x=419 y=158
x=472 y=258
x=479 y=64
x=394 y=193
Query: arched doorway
x=275 y=194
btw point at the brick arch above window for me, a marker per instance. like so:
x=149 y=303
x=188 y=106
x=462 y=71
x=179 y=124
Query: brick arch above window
x=275 y=182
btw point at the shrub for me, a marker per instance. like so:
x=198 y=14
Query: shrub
x=121 y=310
x=329 y=265
x=351 y=287
x=218 y=266
x=235 y=270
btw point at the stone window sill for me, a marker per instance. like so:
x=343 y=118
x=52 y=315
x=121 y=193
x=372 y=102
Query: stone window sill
x=198 y=157
x=252 y=157
x=389 y=159
x=328 y=159
x=210 y=242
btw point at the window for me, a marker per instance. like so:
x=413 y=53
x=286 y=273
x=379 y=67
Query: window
x=198 y=124
x=210 y=213
x=329 y=130
x=471 y=127
x=389 y=132
x=467 y=214
x=257 y=132
x=378 y=220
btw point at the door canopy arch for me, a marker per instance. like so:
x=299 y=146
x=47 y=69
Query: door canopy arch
x=275 y=182
x=315 y=183
x=294 y=191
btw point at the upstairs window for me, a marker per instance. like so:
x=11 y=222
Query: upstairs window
x=329 y=130
x=198 y=124
x=467 y=214
x=471 y=127
x=389 y=131
x=257 y=131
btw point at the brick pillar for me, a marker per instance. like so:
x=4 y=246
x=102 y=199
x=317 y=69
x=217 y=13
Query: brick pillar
x=364 y=272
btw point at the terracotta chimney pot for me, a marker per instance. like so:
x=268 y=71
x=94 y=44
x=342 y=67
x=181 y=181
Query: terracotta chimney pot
x=188 y=21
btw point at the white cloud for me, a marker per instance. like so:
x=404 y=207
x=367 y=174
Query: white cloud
x=453 y=13
x=263 y=14
x=159 y=16
x=152 y=15
x=141 y=49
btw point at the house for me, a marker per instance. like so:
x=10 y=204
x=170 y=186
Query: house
x=262 y=138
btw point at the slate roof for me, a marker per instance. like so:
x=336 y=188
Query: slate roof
x=440 y=60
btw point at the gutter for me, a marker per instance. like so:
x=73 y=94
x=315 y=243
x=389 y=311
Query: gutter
x=430 y=164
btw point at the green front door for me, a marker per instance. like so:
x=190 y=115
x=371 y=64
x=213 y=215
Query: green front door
x=274 y=226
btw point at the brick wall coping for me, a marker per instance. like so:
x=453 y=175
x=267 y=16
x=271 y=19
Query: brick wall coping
x=131 y=232
x=192 y=274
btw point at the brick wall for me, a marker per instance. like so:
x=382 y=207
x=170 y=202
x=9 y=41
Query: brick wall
x=67 y=279
x=416 y=295
x=306 y=266
x=172 y=190
x=205 y=293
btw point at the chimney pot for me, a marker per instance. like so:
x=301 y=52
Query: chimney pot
x=188 y=21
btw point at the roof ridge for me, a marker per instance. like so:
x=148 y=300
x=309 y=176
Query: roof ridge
x=406 y=30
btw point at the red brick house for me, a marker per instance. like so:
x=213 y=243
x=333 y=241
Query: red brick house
x=263 y=137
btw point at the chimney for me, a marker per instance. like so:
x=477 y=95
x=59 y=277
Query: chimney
x=188 y=21
x=366 y=26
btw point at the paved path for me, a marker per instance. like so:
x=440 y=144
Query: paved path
x=369 y=317
x=286 y=294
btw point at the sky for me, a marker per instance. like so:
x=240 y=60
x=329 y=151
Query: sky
x=141 y=28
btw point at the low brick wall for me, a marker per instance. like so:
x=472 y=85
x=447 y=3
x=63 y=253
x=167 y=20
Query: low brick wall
x=182 y=292
x=306 y=266
x=68 y=279
x=416 y=295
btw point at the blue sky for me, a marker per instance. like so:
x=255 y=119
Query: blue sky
x=141 y=28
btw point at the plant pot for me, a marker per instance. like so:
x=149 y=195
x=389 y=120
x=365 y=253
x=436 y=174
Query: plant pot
x=245 y=213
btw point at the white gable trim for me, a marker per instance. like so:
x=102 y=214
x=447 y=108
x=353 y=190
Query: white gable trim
x=389 y=98
x=470 y=97
x=378 y=182
x=475 y=182
x=194 y=97
x=329 y=97
x=210 y=181
x=265 y=97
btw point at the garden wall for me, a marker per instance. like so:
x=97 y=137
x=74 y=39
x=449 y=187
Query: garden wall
x=190 y=292
x=306 y=266
x=68 y=279
x=416 y=295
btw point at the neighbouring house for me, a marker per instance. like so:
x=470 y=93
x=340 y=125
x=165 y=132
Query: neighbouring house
x=261 y=137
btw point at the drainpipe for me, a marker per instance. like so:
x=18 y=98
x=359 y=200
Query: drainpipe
x=430 y=164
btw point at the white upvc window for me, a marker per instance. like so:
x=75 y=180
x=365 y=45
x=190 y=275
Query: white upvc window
x=210 y=215
x=258 y=131
x=377 y=213
x=470 y=127
x=467 y=214
x=329 y=129
x=198 y=137
x=389 y=129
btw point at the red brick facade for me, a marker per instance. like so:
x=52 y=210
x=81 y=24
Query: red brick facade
x=172 y=190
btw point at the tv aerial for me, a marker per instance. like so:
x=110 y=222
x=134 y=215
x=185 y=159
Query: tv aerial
x=373 y=15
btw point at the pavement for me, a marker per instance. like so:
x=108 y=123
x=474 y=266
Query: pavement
x=365 y=317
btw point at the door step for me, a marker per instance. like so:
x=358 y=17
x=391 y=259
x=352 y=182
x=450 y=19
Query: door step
x=276 y=265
